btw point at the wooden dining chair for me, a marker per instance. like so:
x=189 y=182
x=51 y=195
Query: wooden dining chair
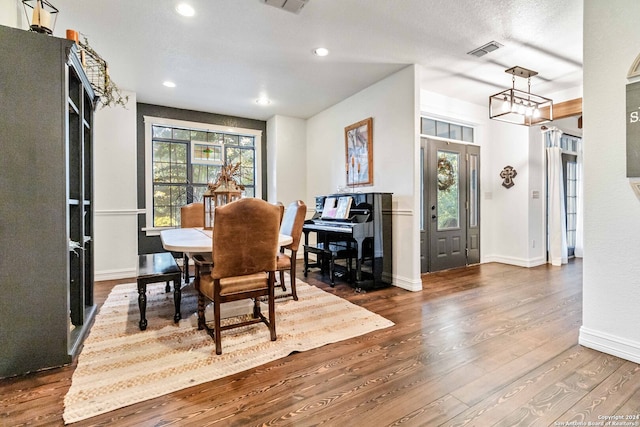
x=245 y=243
x=291 y=226
x=191 y=215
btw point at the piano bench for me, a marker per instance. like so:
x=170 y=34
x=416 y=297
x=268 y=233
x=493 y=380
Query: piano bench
x=330 y=253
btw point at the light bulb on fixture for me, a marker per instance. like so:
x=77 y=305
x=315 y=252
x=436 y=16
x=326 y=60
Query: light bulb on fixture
x=529 y=111
x=506 y=105
x=521 y=108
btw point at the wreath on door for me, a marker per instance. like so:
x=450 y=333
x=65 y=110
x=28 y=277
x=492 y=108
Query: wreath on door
x=446 y=174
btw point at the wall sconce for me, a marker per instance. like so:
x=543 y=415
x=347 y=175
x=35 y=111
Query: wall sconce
x=519 y=107
x=42 y=18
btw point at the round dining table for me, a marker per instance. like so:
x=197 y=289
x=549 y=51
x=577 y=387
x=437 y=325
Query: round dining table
x=197 y=240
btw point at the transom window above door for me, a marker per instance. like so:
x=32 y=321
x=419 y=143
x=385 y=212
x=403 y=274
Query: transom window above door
x=446 y=130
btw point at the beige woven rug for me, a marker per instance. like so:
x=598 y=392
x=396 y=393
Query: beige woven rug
x=121 y=365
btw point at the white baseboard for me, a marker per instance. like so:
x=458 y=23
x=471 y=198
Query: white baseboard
x=610 y=344
x=115 y=274
x=520 y=262
x=408 y=284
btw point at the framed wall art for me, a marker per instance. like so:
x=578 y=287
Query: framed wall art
x=358 y=139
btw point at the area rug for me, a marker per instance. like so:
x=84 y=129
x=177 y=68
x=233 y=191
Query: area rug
x=120 y=365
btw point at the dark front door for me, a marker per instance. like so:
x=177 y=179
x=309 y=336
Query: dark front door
x=451 y=223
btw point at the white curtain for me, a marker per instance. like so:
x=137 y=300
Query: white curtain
x=557 y=227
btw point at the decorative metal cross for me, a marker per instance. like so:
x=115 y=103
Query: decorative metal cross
x=507 y=174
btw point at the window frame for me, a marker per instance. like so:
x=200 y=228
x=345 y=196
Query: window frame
x=150 y=121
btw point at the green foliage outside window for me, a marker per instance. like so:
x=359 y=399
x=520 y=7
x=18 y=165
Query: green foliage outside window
x=177 y=182
x=448 y=191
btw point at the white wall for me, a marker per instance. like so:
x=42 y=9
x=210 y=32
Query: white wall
x=12 y=14
x=611 y=270
x=116 y=215
x=286 y=159
x=393 y=104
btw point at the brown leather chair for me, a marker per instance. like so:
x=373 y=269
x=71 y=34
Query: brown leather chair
x=280 y=206
x=291 y=226
x=245 y=243
x=191 y=215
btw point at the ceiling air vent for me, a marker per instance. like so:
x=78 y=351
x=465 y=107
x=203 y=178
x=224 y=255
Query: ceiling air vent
x=293 y=6
x=487 y=48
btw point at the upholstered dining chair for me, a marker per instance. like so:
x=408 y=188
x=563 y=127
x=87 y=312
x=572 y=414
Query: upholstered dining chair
x=280 y=206
x=191 y=215
x=245 y=243
x=291 y=226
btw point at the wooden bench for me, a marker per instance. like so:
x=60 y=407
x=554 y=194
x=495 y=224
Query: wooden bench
x=153 y=268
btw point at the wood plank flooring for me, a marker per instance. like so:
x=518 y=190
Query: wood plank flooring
x=488 y=345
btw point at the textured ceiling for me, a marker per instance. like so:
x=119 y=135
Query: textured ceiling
x=233 y=51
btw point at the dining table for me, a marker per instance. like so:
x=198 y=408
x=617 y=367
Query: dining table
x=198 y=240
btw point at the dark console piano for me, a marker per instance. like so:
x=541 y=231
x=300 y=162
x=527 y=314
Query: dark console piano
x=364 y=236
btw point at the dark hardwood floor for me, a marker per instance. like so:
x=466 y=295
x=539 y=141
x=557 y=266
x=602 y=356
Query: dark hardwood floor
x=480 y=346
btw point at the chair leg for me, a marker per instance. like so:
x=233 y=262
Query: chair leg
x=292 y=276
x=272 y=307
x=216 y=326
x=282 y=284
x=201 y=320
x=185 y=267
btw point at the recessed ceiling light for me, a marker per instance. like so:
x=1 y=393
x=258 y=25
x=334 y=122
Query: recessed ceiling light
x=185 y=9
x=263 y=101
x=321 y=51
x=169 y=84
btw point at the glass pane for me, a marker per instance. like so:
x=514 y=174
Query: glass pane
x=247 y=141
x=166 y=199
x=231 y=139
x=455 y=132
x=161 y=171
x=448 y=190
x=198 y=191
x=181 y=134
x=161 y=151
x=213 y=172
x=467 y=134
x=215 y=137
x=199 y=174
x=198 y=135
x=473 y=191
x=179 y=153
x=179 y=173
x=428 y=127
x=246 y=176
x=249 y=192
x=161 y=132
x=422 y=180
x=442 y=129
x=233 y=156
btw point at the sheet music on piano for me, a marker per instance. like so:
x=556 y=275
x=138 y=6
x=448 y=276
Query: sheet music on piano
x=329 y=209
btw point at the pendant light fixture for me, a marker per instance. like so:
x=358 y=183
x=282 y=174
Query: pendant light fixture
x=520 y=107
x=41 y=15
